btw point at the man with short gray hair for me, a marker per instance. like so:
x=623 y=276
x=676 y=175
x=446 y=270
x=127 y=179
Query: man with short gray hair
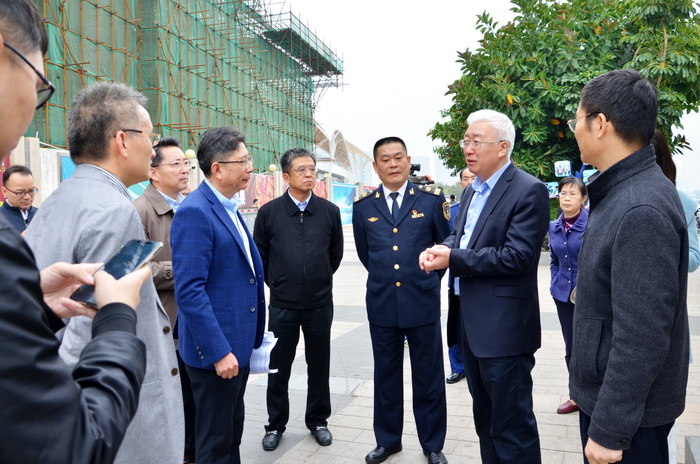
x=493 y=255
x=88 y=218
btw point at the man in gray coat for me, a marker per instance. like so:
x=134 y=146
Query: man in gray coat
x=629 y=364
x=87 y=219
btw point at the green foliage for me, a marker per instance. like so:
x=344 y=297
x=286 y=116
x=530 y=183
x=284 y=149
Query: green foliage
x=533 y=69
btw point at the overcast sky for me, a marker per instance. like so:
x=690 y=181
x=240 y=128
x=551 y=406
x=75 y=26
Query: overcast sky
x=398 y=61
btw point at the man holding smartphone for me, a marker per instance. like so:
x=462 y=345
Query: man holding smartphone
x=111 y=152
x=91 y=406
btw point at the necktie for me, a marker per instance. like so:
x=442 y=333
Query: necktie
x=394 y=206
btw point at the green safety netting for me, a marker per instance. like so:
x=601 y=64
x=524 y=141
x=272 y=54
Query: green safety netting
x=201 y=63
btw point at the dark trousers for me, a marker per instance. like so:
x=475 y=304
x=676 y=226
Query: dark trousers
x=565 y=311
x=220 y=414
x=189 y=407
x=648 y=445
x=316 y=325
x=456 y=366
x=429 y=402
x=501 y=390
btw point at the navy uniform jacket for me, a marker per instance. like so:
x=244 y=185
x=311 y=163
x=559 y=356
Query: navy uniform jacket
x=399 y=293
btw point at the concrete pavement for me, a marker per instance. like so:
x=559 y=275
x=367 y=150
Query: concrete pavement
x=352 y=386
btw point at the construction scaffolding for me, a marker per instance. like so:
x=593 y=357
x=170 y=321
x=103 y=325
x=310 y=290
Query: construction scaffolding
x=201 y=63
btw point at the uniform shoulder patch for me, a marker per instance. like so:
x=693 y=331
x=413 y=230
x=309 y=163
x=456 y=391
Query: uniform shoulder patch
x=429 y=189
x=364 y=195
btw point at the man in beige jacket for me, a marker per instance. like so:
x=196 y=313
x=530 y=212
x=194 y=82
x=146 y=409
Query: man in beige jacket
x=156 y=207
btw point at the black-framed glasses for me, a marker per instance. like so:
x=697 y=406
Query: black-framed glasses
x=47 y=89
x=30 y=192
x=244 y=162
x=175 y=164
x=154 y=138
x=464 y=143
x=572 y=122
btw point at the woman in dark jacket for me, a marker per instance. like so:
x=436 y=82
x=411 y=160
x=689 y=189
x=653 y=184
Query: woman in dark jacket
x=565 y=237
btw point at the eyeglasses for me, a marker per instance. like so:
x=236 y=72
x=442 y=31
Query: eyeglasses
x=572 y=122
x=464 y=143
x=30 y=192
x=154 y=138
x=244 y=162
x=301 y=170
x=568 y=194
x=175 y=164
x=47 y=89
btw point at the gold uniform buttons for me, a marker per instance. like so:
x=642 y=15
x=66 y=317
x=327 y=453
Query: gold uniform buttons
x=396 y=266
x=398 y=284
x=395 y=230
x=395 y=248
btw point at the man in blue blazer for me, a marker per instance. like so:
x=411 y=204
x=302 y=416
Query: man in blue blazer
x=493 y=255
x=392 y=225
x=219 y=288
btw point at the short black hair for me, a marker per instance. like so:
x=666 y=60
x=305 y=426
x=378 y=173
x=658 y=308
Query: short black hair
x=15 y=169
x=217 y=145
x=663 y=155
x=574 y=181
x=627 y=100
x=386 y=141
x=96 y=114
x=158 y=148
x=291 y=155
x=22 y=26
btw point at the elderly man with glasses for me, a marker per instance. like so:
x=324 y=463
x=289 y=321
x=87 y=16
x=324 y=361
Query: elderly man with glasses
x=19 y=190
x=493 y=255
x=300 y=238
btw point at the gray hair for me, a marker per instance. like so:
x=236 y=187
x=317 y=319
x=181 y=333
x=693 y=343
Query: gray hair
x=500 y=123
x=97 y=113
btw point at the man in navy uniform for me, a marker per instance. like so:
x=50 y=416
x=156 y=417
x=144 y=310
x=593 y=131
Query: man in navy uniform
x=392 y=225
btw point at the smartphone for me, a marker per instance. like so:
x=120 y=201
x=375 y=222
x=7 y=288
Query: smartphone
x=131 y=256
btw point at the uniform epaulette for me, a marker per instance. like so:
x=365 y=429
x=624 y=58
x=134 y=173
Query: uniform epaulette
x=364 y=195
x=429 y=189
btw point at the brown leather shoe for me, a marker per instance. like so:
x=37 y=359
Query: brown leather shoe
x=567 y=407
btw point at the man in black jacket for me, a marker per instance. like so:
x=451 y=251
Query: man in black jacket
x=50 y=414
x=300 y=239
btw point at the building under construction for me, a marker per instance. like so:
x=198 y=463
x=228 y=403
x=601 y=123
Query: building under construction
x=201 y=63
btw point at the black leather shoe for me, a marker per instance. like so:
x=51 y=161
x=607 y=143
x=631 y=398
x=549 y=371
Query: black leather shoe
x=436 y=458
x=380 y=454
x=323 y=435
x=271 y=440
x=454 y=377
